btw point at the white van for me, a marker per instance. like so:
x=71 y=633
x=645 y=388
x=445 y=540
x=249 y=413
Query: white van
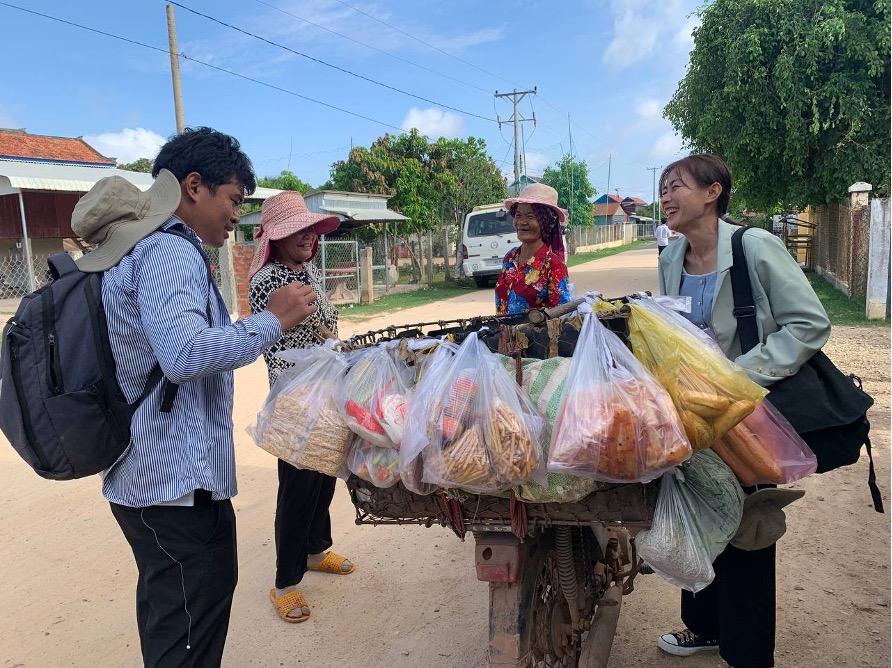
x=487 y=236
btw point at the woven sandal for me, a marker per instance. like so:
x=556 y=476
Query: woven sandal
x=289 y=602
x=332 y=563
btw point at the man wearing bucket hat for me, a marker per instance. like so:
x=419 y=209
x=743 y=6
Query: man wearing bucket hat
x=534 y=275
x=285 y=245
x=170 y=491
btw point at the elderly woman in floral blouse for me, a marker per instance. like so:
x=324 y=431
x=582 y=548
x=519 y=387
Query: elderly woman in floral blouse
x=286 y=243
x=534 y=275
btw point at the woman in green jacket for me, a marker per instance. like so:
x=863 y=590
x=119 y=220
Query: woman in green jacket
x=736 y=613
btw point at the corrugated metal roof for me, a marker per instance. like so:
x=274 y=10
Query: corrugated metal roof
x=19 y=175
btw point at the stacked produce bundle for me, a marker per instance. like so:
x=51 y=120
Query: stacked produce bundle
x=299 y=422
x=616 y=424
x=711 y=393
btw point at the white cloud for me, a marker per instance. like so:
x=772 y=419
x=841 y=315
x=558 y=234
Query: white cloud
x=643 y=29
x=535 y=163
x=127 y=145
x=432 y=122
x=649 y=109
x=667 y=145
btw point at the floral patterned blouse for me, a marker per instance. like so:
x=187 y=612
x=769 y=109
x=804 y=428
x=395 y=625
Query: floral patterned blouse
x=541 y=282
x=270 y=278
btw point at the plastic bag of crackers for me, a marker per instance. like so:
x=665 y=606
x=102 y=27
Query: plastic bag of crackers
x=299 y=422
x=483 y=432
x=616 y=422
x=374 y=397
x=711 y=393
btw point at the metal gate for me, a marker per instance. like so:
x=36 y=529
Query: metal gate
x=339 y=263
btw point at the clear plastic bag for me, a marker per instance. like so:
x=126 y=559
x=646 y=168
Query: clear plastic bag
x=764 y=448
x=483 y=431
x=299 y=422
x=698 y=511
x=431 y=375
x=616 y=423
x=710 y=392
x=374 y=397
x=380 y=466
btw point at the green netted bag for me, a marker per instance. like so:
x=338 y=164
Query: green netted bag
x=543 y=382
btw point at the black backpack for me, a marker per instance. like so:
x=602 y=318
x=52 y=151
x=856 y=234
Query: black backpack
x=61 y=407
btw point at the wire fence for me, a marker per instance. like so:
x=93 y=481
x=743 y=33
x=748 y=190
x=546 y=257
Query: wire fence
x=843 y=244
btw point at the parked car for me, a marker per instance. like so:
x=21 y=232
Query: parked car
x=487 y=236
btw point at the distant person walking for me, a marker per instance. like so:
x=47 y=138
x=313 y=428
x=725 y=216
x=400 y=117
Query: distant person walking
x=662 y=234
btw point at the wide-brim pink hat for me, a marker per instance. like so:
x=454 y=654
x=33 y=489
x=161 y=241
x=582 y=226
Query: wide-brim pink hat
x=539 y=193
x=281 y=216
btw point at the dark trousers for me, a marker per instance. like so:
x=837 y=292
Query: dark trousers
x=738 y=607
x=303 y=525
x=660 y=250
x=188 y=569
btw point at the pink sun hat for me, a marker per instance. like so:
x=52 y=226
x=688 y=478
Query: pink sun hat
x=281 y=216
x=539 y=193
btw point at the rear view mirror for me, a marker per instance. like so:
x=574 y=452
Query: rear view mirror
x=501 y=214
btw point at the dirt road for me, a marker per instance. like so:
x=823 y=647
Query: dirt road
x=67 y=582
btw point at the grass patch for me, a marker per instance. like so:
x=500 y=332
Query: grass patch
x=840 y=309
x=389 y=303
x=581 y=258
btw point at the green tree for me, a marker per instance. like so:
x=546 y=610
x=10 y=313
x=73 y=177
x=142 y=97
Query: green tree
x=141 y=165
x=570 y=178
x=471 y=179
x=403 y=167
x=285 y=181
x=794 y=94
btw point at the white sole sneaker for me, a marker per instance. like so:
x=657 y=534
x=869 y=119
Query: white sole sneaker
x=669 y=644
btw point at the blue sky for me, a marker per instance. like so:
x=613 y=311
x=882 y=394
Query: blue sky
x=612 y=65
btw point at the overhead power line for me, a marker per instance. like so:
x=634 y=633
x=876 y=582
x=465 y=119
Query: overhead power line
x=427 y=44
x=200 y=62
x=326 y=64
x=373 y=48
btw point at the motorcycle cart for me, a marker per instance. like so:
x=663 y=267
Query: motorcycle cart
x=557 y=572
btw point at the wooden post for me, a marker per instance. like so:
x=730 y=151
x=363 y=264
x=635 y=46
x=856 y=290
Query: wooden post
x=367 y=289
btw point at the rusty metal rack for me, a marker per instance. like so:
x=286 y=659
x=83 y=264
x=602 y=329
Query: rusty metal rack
x=629 y=505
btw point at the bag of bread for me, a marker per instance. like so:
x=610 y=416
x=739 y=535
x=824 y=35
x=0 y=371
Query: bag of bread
x=299 y=422
x=710 y=392
x=374 y=397
x=616 y=423
x=764 y=448
x=483 y=432
x=433 y=360
x=698 y=511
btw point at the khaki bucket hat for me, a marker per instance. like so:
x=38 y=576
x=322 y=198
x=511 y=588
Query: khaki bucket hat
x=115 y=215
x=764 y=521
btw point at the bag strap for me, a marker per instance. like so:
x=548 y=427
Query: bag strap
x=744 y=304
x=169 y=390
x=748 y=334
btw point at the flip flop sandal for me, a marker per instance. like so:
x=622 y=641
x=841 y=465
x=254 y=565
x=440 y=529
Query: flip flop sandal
x=289 y=602
x=332 y=563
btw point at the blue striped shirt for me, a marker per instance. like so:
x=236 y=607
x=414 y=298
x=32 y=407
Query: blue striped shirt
x=156 y=304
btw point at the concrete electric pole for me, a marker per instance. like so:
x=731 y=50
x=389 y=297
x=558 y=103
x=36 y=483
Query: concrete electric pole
x=655 y=205
x=517 y=97
x=175 y=70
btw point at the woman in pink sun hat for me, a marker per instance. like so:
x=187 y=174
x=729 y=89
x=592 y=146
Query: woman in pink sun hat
x=286 y=243
x=534 y=275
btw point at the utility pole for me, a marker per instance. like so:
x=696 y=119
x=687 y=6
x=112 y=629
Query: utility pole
x=607 y=217
x=655 y=206
x=175 y=70
x=517 y=97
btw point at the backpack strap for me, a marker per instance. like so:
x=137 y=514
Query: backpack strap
x=169 y=390
x=748 y=333
x=61 y=264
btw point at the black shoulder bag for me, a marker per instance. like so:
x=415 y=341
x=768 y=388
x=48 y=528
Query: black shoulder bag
x=827 y=408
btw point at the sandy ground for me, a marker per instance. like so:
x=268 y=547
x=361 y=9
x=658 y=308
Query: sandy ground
x=67 y=582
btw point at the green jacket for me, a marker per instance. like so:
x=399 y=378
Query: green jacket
x=792 y=323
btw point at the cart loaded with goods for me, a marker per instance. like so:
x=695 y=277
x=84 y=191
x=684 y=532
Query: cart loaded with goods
x=580 y=446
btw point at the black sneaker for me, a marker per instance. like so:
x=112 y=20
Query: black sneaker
x=685 y=643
